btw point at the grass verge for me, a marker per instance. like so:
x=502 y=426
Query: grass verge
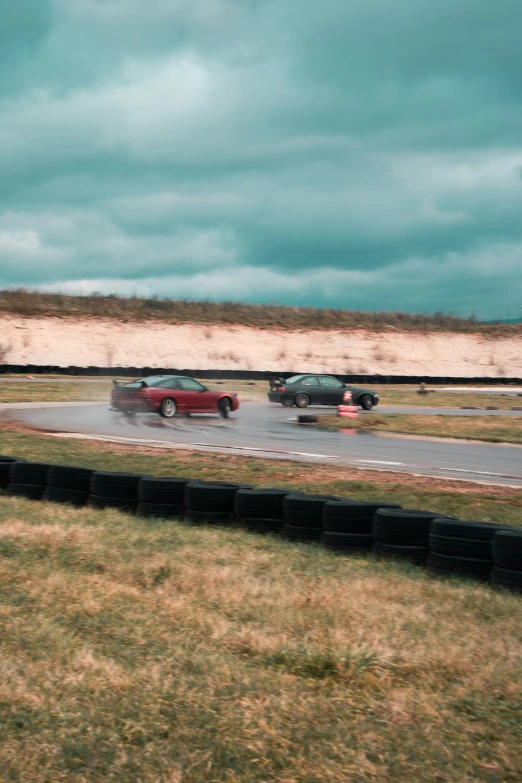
x=164 y=653
x=494 y=429
x=159 y=652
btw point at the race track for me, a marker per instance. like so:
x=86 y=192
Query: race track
x=265 y=430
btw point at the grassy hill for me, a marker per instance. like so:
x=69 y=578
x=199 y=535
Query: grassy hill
x=32 y=304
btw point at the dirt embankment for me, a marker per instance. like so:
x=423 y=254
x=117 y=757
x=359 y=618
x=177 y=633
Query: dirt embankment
x=65 y=341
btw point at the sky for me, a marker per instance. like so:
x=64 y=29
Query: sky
x=360 y=154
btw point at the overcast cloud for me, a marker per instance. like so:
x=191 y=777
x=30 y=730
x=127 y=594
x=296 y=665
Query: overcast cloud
x=346 y=153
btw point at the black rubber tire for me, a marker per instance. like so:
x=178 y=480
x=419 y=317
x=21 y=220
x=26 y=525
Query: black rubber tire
x=29 y=473
x=115 y=485
x=403 y=527
x=209 y=517
x=415 y=554
x=8 y=458
x=60 y=495
x=215 y=497
x=461 y=547
x=266 y=503
x=307 y=419
x=261 y=525
x=366 y=402
x=161 y=510
x=507 y=550
x=168 y=408
x=168 y=491
x=351 y=542
x=5 y=469
x=67 y=477
x=298 y=533
x=30 y=491
x=352 y=516
x=505 y=577
x=121 y=504
x=459 y=566
x=305 y=510
x=477 y=531
x=302 y=400
x=225 y=407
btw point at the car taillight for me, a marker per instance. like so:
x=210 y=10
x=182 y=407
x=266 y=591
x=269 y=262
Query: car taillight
x=282 y=388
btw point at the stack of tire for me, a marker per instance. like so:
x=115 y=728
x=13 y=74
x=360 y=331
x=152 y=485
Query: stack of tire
x=211 y=502
x=261 y=510
x=348 y=525
x=162 y=497
x=403 y=533
x=5 y=465
x=507 y=559
x=66 y=484
x=114 y=490
x=28 y=479
x=303 y=516
x=462 y=548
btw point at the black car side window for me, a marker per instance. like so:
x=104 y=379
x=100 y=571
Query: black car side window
x=331 y=383
x=310 y=380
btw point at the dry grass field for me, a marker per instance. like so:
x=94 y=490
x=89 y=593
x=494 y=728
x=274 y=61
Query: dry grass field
x=162 y=652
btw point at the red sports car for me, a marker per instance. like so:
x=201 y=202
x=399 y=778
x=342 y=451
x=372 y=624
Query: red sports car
x=171 y=394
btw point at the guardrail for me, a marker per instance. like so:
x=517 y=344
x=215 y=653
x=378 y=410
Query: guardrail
x=249 y=375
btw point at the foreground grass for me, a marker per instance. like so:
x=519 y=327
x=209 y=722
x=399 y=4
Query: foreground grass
x=159 y=652
x=137 y=651
x=494 y=429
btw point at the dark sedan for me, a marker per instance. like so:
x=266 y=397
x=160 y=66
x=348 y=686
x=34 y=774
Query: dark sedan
x=304 y=390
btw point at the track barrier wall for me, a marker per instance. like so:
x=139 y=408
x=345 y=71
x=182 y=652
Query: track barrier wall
x=247 y=375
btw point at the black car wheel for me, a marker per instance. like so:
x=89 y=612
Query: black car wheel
x=366 y=402
x=224 y=408
x=302 y=400
x=168 y=408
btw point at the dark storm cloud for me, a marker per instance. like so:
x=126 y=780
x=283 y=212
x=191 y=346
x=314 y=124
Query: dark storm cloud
x=347 y=153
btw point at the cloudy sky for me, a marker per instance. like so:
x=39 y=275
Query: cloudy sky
x=348 y=153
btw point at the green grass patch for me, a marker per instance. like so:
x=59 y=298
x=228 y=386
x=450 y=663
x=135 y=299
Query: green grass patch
x=494 y=429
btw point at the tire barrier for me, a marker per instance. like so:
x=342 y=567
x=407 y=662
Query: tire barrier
x=162 y=497
x=260 y=509
x=462 y=548
x=480 y=550
x=5 y=464
x=303 y=515
x=114 y=490
x=507 y=559
x=67 y=484
x=403 y=533
x=27 y=479
x=249 y=375
x=211 y=502
x=348 y=524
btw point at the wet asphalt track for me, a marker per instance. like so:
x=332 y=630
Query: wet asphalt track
x=264 y=430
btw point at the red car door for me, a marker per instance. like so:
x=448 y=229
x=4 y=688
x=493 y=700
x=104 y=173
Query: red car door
x=196 y=398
